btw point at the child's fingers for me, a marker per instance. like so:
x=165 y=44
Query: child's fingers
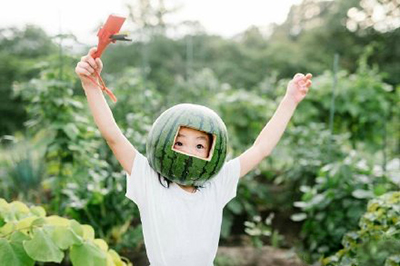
x=82 y=71
x=309 y=76
x=308 y=83
x=99 y=63
x=298 y=76
x=92 y=51
x=88 y=59
x=86 y=66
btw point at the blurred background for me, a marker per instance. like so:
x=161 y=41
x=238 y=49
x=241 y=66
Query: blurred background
x=326 y=195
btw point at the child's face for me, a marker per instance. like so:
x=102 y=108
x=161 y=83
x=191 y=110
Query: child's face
x=193 y=142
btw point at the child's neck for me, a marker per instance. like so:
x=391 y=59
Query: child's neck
x=190 y=189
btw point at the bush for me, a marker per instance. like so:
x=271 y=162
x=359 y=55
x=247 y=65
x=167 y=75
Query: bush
x=334 y=205
x=377 y=242
x=27 y=235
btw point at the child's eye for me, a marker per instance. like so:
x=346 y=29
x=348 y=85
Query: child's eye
x=199 y=146
x=178 y=143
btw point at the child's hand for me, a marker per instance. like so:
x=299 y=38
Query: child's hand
x=87 y=66
x=298 y=87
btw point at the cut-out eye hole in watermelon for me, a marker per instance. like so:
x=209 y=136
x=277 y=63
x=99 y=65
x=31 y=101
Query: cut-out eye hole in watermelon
x=186 y=169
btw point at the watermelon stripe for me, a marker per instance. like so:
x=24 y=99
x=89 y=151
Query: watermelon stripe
x=174 y=154
x=215 y=148
x=176 y=121
x=152 y=132
x=188 y=164
x=219 y=150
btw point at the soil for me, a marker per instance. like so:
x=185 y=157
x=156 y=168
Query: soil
x=243 y=256
x=265 y=256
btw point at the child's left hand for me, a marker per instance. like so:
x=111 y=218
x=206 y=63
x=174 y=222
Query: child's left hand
x=298 y=87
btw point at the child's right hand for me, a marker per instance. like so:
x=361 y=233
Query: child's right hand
x=87 y=66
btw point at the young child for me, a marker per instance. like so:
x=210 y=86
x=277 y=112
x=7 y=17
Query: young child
x=182 y=223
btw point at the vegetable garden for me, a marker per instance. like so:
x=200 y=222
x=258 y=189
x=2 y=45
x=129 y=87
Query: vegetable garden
x=327 y=194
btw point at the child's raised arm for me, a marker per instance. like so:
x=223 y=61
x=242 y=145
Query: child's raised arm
x=273 y=131
x=103 y=117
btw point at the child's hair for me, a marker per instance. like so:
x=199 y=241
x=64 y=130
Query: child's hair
x=210 y=143
x=169 y=182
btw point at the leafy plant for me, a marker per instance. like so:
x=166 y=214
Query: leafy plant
x=79 y=180
x=335 y=203
x=377 y=241
x=23 y=169
x=28 y=235
x=259 y=230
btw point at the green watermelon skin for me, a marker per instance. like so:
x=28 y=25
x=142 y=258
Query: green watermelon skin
x=177 y=167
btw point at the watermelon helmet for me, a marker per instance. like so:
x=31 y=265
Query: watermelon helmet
x=181 y=168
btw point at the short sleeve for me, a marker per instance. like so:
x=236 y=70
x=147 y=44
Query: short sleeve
x=227 y=180
x=140 y=182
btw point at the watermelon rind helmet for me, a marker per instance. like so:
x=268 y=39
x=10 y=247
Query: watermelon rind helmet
x=176 y=166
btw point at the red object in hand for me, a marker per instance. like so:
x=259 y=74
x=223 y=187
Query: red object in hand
x=105 y=34
x=112 y=26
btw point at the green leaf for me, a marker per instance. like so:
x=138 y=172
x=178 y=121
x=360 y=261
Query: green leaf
x=298 y=217
x=42 y=247
x=71 y=130
x=25 y=223
x=38 y=211
x=362 y=194
x=63 y=236
x=20 y=207
x=12 y=252
x=7 y=228
x=101 y=244
x=379 y=190
x=57 y=220
x=38 y=222
x=88 y=232
x=87 y=254
x=235 y=206
x=77 y=228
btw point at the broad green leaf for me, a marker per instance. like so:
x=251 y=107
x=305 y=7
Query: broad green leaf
x=88 y=232
x=77 y=228
x=13 y=253
x=115 y=257
x=57 y=221
x=63 y=236
x=42 y=247
x=38 y=211
x=110 y=261
x=20 y=207
x=19 y=237
x=87 y=254
x=71 y=130
x=25 y=223
x=101 y=244
x=39 y=221
x=7 y=228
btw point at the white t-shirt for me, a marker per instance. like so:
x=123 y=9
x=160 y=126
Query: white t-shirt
x=181 y=228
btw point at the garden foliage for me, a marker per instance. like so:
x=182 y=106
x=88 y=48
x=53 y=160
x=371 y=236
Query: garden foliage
x=27 y=236
x=377 y=241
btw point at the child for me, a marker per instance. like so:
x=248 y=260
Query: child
x=182 y=223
